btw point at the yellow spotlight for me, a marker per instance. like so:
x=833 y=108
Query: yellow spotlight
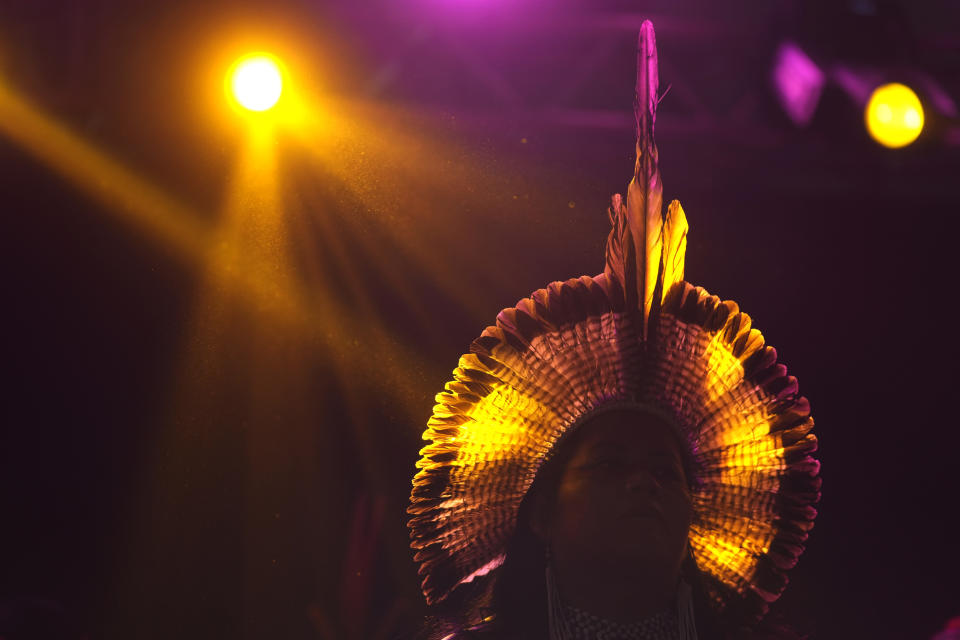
x=894 y=115
x=255 y=81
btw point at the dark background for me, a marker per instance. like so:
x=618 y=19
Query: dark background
x=182 y=455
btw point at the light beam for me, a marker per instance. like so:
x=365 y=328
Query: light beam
x=255 y=81
x=894 y=115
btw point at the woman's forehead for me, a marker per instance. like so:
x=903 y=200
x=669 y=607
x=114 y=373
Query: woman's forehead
x=631 y=430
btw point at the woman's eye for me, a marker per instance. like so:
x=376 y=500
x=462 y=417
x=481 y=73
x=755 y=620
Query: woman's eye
x=667 y=473
x=607 y=464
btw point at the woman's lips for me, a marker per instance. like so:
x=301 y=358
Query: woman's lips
x=649 y=511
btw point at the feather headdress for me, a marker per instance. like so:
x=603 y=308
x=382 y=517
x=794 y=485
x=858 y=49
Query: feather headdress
x=636 y=333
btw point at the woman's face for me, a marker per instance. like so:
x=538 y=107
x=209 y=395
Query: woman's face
x=623 y=499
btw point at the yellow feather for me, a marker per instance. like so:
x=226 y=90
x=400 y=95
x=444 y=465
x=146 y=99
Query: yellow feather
x=674 y=246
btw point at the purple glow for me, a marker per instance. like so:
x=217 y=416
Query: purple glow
x=799 y=82
x=939 y=98
x=857 y=84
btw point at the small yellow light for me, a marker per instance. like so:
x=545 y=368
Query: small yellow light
x=894 y=115
x=256 y=82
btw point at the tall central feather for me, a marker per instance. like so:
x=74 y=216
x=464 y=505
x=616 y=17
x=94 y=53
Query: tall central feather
x=645 y=250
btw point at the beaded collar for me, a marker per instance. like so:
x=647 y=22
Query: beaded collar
x=586 y=626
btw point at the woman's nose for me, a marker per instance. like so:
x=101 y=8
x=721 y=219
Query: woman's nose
x=641 y=480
